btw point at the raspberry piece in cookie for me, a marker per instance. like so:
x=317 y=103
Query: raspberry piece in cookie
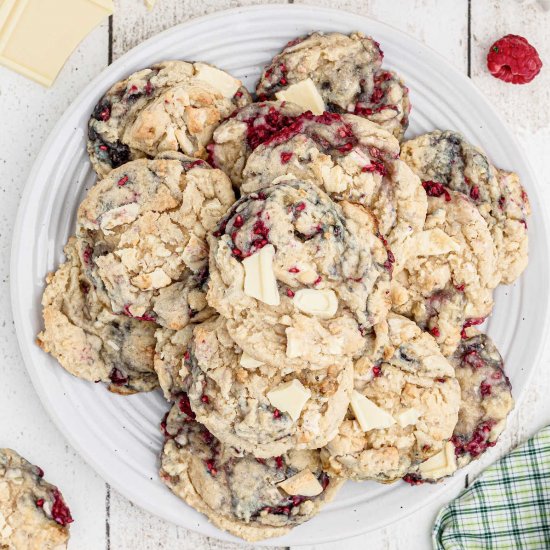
x=252 y=498
x=514 y=60
x=33 y=514
x=172 y=106
x=252 y=407
x=235 y=138
x=448 y=159
x=351 y=159
x=142 y=236
x=88 y=339
x=403 y=410
x=485 y=402
x=297 y=276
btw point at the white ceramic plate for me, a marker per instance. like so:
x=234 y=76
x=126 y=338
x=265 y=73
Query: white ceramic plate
x=119 y=436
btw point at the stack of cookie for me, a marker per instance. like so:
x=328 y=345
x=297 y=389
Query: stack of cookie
x=302 y=287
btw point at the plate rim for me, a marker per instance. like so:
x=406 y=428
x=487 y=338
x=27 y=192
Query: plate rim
x=17 y=312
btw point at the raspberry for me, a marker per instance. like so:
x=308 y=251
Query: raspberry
x=514 y=60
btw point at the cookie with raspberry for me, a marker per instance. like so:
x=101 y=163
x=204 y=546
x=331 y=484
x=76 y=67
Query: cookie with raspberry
x=171 y=106
x=486 y=397
x=33 y=514
x=485 y=403
x=346 y=73
x=235 y=397
x=449 y=269
x=351 y=159
x=254 y=499
x=298 y=277
x=235 y=138
x=407 y=380
x=388 y=105
x=447 y=158
x=88 y=339
x=142 y=232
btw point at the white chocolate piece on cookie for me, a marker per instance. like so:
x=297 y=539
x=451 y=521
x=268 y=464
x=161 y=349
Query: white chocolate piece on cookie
x=321 y=303
x=248 y=362
x=290 y=397
x=440 y=465
x=218 y=79
x=408 y=417
x=304 y=94
x=368 y=414
x=304 y=483
x=259 y=278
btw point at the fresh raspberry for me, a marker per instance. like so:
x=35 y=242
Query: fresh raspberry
x=514 y=60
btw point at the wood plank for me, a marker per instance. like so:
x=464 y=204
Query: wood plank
x=441 y=24
x=30 y=111
x=132 y=23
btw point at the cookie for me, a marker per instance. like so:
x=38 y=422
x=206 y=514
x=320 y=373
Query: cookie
x=447 y=158
x=486 y=400
x=237 y=398
x=235 y=138
x=351 y=159
x=412 y=400
x=298 y=277
x=449 y=270
x=88 y=339
x=486 y=397
x=345 y=74
x=33 y=514
x=251 y=498
x=172 y=106
x=170 y=349
x=388 y=105
x=142 y=236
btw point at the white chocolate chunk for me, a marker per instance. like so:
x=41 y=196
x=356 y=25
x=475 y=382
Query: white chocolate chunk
x=294 y=342
x=218 y=79
x=154 y=280
x=432 y=242
x=137 y=311
x=290 y=397
x=304 y=483
x=248 y=362
x=304 y=94
x=37 y=36
x=438 y=363
x=259 y=278
x=321 y=303
x=408 y=417
x=440 y=465
x=369 y=415
x=150 y=4
x=118 y=216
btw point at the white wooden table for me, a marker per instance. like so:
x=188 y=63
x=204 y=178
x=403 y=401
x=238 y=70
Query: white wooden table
x=461 y=30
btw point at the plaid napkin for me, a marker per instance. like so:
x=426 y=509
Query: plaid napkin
x=507 y=507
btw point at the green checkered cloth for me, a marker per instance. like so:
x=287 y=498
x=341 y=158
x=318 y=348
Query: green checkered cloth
x=507 y=506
